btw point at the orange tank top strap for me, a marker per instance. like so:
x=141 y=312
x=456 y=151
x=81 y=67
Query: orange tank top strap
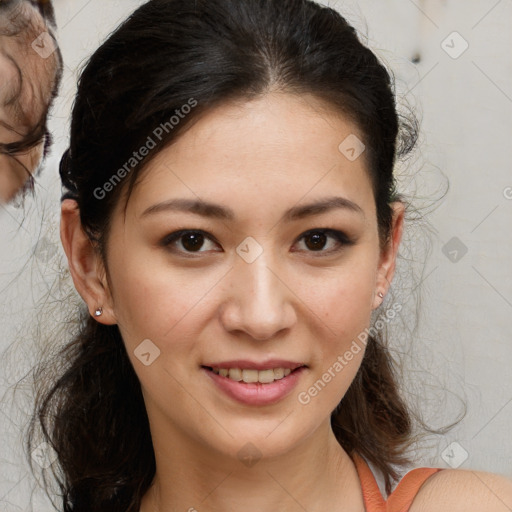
x=402 y=496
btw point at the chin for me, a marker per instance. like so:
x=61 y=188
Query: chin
x=272 y=439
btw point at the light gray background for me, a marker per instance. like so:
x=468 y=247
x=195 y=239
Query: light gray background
x=463 y=341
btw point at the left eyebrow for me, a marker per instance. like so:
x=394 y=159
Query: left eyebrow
x=322 y=206
x=212 y=210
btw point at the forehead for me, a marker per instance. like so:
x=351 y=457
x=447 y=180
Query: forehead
x=277 y=148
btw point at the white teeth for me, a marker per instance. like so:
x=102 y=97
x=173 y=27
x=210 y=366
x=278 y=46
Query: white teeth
x=235 y=374
x=251 y=375
x=266 y=376
x=278 y=373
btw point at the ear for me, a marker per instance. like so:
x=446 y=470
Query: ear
x=85 y=264
x=387 y=260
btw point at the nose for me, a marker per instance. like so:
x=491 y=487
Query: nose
x=259 y=301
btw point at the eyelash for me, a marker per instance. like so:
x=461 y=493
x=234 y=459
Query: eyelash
x=339 y=236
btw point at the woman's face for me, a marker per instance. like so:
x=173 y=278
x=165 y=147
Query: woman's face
x=252 y=290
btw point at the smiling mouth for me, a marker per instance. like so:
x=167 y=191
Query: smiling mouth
x=250 y=376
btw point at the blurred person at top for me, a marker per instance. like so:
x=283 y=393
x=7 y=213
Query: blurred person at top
x=30 y=74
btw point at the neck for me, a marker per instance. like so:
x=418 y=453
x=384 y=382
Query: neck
x=315 y=476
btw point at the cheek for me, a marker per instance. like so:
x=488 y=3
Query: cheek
x=159 y=307
x=158 y=302
x=341 y=297
x=340 y=302
x=343 y=309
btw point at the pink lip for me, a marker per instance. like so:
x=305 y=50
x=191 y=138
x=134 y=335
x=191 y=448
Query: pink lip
x=251 y=365
x=256 y=393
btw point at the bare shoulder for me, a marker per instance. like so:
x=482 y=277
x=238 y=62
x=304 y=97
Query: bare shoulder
x=461 y=490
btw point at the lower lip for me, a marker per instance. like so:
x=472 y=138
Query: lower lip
x=255 y=393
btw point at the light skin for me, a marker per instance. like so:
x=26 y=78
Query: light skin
x=27 y=80
x=259 y=159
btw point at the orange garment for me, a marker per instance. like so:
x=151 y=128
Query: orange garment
x=402 y=496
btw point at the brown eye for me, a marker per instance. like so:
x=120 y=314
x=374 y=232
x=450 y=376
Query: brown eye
x=192 y=241
x=188 y=241
x=316 y=241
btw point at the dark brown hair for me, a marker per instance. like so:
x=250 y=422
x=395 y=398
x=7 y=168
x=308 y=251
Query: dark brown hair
x=211 y=51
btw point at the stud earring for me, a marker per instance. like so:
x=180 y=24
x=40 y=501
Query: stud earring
x=98 y=312
x=381 y=295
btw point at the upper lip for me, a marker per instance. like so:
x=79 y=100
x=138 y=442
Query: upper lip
x=245 y=364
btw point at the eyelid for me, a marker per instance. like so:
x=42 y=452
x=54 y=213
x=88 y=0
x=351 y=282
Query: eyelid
x=336 y=233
